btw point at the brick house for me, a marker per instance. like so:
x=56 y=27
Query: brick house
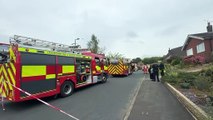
x=200 y=44
x=174 y=53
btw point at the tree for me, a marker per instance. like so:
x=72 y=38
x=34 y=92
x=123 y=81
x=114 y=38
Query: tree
x=137 y=60
x=152 y=60
x=93 y=45
x=114 y=55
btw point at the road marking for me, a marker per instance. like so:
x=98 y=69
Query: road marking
x=54 y=107
x=131 y=104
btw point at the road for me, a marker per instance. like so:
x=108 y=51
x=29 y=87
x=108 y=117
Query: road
x=109 y=101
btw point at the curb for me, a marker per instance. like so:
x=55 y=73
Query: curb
x=196 y=111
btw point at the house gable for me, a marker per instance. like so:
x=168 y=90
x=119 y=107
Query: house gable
x=201 y=45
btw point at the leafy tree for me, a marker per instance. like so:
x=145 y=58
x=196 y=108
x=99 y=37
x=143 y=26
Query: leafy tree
x=114 y=55
x=93 y=45
x=151 y=60
x=137 y=60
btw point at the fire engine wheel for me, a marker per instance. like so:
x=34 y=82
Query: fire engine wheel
x=67 y=89
x=104 y=78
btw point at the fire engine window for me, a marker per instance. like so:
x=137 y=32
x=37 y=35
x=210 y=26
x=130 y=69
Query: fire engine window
x=4 y=53
x=97 y=61
x=114 y=61
x=106 y=61
x=37 y=59
x=66 y=60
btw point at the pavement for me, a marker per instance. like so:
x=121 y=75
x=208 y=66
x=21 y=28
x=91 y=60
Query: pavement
x=155 y=102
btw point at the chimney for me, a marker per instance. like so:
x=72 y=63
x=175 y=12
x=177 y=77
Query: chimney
x=169 y=50
x=209 y=27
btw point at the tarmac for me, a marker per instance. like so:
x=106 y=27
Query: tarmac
x=155 y=102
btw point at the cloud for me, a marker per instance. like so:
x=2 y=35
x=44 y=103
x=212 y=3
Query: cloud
x=134 y=28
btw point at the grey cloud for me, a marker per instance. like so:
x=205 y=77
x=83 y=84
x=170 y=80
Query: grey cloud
x=119 y=24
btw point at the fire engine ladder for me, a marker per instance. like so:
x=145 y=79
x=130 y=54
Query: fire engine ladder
x=42 y=44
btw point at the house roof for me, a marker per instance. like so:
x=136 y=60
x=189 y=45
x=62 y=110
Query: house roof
x=199 y=36
x=175 y=52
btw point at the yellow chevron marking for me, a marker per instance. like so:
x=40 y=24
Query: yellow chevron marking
x=2 y=93
x=11 y=76
x=4 y=72
x=6 y=89
x=13 y=68
x=12 y=55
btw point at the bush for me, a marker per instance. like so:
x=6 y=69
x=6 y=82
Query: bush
x=203 y=83
x=187 y=77
x=207 y=73
x=185 y=85
x=194 y=60
x=170 y=77
x=176 y=61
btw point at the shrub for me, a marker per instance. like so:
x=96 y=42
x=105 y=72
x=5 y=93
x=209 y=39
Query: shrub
x=187 y=77
x=176 y=61
x=207 y=73
x=194 y=59
x=170 y=76
x=203 y=83
x=185 y=85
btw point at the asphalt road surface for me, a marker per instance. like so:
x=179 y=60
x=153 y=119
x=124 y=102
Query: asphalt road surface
x=109 y=101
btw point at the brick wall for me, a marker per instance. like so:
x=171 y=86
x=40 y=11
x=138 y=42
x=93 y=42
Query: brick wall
x=208 y=48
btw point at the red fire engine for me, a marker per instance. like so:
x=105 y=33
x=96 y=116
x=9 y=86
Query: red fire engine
x=45 y=68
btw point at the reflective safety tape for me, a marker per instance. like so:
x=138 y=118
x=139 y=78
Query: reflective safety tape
x=50 y=76
x=68 y=69
x=105 y=68
x=29 y=71
x=60 y=74
x=27 y=50
x=98 y=68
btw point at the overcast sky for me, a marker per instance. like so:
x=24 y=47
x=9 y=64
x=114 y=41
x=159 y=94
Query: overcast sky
x=134 y=28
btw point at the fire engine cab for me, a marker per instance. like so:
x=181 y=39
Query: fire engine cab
x=45 y=68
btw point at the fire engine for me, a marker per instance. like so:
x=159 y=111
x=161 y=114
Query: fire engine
x=45 y=68
x=120 y=66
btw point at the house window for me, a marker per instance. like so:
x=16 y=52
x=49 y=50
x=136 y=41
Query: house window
x=200 y=48
x=189 y=52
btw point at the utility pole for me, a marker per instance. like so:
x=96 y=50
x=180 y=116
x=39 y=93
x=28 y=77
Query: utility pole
x=76 y=40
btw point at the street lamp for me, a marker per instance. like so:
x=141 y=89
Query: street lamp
x=76 y=40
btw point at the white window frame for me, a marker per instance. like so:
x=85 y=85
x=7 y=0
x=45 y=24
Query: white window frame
x=200 y=47
x=189 y=52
